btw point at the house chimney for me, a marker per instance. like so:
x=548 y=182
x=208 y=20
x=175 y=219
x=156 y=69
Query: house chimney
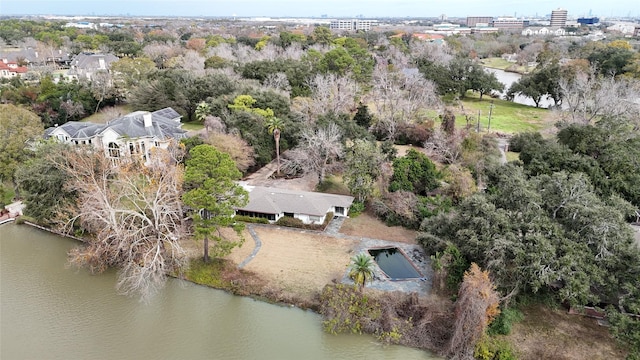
x=147 y=119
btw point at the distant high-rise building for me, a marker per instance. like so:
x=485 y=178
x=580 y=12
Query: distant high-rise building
x=354 y=24
x=472 y=21
x=558 y=18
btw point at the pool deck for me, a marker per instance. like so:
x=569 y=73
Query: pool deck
x=422 y=286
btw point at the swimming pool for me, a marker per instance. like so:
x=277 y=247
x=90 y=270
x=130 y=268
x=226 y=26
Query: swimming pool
x=394 y=263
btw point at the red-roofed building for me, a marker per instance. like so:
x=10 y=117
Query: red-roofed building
x=9 y=70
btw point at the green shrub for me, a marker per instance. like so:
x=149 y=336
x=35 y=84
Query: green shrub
x=206 y=273
x=346 y=309
x=249 y=219
x=502 y=324
x=519 y=141
x=327 y=219
x=356 y=209
x=24 y=218
x=297 y=223
x=290 y=222
x=491 y=348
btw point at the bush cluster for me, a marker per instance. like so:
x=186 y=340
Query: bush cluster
x=249 y=219
x=297 y=223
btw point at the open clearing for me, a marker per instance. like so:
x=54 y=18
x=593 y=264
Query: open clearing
x=296 y=262
x=367 y=225
x=554 y=334
x=506 y=116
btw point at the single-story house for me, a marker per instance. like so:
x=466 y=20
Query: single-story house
x=131 y=135
x=310 y=207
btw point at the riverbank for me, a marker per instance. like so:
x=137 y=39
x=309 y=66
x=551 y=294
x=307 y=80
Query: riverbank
x=299 y=282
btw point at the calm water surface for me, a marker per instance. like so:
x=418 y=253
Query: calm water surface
x=50 y=312
x=508 y=78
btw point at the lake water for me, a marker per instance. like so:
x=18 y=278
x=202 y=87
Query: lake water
x=508 y=78
x=50 y=312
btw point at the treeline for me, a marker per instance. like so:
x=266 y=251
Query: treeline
x=555 y=223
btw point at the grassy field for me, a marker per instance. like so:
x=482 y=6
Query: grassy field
x=502 y=64
x=512 y=156
x=506 y=116
x=192 y=126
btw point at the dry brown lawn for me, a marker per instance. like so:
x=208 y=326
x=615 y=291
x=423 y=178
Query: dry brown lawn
x=554 y=334
x=294 y=262
x=367 y=225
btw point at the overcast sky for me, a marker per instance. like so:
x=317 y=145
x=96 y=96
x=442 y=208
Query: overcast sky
x=316 y=8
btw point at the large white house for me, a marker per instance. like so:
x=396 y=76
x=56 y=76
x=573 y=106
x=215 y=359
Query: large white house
x=310 y=207
x=131 y=135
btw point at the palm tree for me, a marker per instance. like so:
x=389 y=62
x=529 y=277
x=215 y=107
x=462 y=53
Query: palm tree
x=274 y=125
x=361 y=269
x=202 y=110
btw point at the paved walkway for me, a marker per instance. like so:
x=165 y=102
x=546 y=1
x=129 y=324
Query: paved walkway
x=380 y=280
x=333 y=228
x=253 y=254
x=502 y=145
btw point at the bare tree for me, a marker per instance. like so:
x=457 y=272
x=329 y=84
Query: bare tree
x=134 y=214
x=214 y=124
x=529 y=53
x=400 y=97
x=321 y=147
x=293 y=52
x=224 y=51
x=303 y=109
x=71 y=109
x=333 y=94
x=588 y=97
x=278 y=82
x=161 y=53
x=444 y=148
x=102 y=87
x=432 y=52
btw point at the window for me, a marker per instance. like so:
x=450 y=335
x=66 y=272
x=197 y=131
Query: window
x=114 y=150
x=315 y=219
x=339 y=210
x=131 y=148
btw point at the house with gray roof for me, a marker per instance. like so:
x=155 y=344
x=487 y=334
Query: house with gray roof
x=310 y=207
x=85 y=65
x=131 y=135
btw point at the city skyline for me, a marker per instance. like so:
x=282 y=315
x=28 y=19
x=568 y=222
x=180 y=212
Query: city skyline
x=316 y=8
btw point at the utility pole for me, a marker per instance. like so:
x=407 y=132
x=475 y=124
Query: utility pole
x=478 y=122
x=490 y=111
